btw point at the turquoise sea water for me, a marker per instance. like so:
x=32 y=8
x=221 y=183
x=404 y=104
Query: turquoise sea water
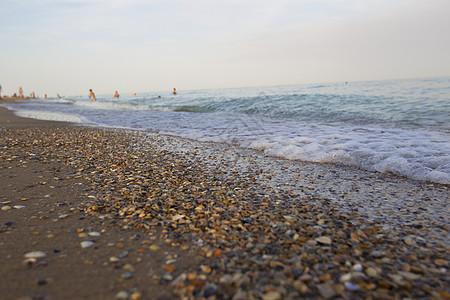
x=397 y=126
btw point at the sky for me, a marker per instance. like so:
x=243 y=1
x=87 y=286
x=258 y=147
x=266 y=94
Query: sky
x=71 y=46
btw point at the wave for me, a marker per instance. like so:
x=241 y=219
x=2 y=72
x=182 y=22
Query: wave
x=194 y=108
x=49 y=116
x=418 y=155
x=106 y=105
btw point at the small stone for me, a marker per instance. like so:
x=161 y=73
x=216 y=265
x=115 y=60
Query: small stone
x=191 y=276
x=154 y=247
x=123 y=254
x=240 y=295
x=410 y=276
x=30 y=261
x=372 y=272
x=122 y=295
x=326 y=290
x=86 y=244
x=206 y=269
x=440 y=262
x=350 y=286
x=306 y=278
x=6 y=207
x=136 y=296
x=63 y=216
x=18 y=206
x=177 y=217
x=179 y=279
x=397 y=279
x=42 y=281
x=167 y=277
x=127 y=275
x=378 y=254
x=275 y=295
x=170 y=268
x=209 y=290
x=409 y=240
x=358 y=267
x=324 y=240
x=35 y=254
x=94 y=233
x=346 y=277
x=113 y=259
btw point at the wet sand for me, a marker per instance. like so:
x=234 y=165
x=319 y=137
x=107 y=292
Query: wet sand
x=166 y=218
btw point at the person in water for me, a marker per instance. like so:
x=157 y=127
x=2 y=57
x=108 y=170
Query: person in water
x=116 y=95
x=174 y=91
x=92 y=95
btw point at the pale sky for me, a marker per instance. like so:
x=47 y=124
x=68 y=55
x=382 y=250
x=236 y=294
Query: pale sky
x=70 y=46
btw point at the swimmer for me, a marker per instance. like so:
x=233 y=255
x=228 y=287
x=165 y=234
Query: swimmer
x=116 y=95
x=174 y=91
x=92 y=95
x=133 y=94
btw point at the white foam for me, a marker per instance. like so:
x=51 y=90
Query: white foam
x=48 y=115
x=117 y=105
x=420 y=155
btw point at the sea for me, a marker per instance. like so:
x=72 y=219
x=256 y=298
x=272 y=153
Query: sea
x=401 y=127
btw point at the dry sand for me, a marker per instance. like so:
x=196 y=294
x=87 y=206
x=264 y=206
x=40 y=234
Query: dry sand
x=175 y=218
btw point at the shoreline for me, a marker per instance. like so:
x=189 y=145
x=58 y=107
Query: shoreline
x=209 y=218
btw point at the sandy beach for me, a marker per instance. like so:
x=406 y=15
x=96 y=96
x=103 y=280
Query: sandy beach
x=95 y=213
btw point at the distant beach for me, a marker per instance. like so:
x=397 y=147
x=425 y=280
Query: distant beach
x=90 y=212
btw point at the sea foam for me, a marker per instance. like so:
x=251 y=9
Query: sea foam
x=49 y=116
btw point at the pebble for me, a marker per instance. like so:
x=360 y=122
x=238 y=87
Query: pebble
x=123 y=254
x=136 y=296
x=272 y=296
x=35 y=254
x=372 y=272
x=326 y=290
x=114 y=259
x=209 y=290
x=440 y=262
x=245 y=237
x=122 y=295
x=86 y=244
x=358 y=267
x=180 y=279
x=127 y=275
x=350 y=286
x=323 y=240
